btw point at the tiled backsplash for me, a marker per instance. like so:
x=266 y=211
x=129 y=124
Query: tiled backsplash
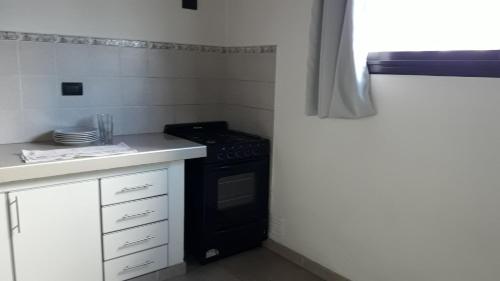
x=248 y=98
x=144 y=88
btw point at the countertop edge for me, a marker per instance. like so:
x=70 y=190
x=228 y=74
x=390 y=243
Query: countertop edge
x=83 y=165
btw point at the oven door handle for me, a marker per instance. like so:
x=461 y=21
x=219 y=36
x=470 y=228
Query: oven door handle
x=224 y=167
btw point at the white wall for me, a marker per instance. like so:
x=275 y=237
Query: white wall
x=410 y=194
x=161 y=20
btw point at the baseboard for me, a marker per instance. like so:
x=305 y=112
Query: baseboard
x=300 y=260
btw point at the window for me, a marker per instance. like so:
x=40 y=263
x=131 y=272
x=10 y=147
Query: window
x=454 y=35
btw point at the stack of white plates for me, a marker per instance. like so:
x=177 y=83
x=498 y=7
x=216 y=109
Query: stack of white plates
x=75 y=136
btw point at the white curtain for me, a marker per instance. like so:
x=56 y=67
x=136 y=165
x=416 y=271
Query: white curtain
x=338 y=79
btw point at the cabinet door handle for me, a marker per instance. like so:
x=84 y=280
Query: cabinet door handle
x=18 y=223
x=132 y=189
x=129 y=268
x=134 y=243
x=135 y=216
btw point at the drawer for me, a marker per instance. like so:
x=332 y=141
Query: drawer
x=133 y=240
x=136 y=264
x=135 y=213
x=134 y=186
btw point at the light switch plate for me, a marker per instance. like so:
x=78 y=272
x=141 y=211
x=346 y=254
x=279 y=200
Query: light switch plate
x=72 y=88
x=190 y=4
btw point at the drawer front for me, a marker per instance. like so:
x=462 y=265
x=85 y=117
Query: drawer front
x=133 y=240
x=134 y=186
x=130 y=214
x=136 y=264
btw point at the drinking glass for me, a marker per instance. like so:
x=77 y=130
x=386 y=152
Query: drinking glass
x=105 y=124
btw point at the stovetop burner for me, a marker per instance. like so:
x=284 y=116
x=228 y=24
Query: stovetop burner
x=222 y=144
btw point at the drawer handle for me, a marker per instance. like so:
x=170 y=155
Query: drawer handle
x=129 y=268
x=132 y=189
x=138 y=242
x=135 y=216
x=18 y=226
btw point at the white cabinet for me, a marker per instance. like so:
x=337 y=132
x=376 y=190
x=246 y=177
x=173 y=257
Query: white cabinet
x=58 y=229
x=130 y=187
x=134 y=224
x=138 y=264
x=57 y=234
x=5 y=256
x=134 y=240
x=135 y=213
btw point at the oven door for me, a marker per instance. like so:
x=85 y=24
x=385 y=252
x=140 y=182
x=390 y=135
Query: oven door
x=237 y=194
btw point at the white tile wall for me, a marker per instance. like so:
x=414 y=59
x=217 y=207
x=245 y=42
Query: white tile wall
x=72 y=59
x=158 y=91
x=197 y=113
x=160 y=64
x=10 y=99
x=9 y=123
x=250 y=93
x=104 y=91
x=248 y=98
x=134 y=92
x=37 y=58
x=136 y=120
x=183 y=64
x=161 y=115
x=212 y=65
x=144 y=89
x=133 y=62
x=39 y=122
x=252 y=67
x=213 y=89
x=39 y=91
x=8 y=58
x=104 y=61
x=251 y=120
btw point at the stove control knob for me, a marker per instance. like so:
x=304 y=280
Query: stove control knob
x=230 y=155
x=220 y=156
x=238 y=154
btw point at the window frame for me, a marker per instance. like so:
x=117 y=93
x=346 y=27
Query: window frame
x=436 y=63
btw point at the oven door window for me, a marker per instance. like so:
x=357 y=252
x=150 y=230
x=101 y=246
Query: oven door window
x=236 y=191
x=237 y=194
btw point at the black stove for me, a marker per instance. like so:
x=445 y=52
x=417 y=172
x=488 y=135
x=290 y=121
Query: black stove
x=227 y=193
x=223 y=145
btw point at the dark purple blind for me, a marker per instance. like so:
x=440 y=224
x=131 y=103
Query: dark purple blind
x=437 y=63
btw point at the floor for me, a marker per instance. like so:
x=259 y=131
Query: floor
x=255 y=265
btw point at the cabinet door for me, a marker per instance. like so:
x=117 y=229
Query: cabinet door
x=5 y=256
x=56 y=234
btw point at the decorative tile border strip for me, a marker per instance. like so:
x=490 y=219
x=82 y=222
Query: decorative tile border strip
x=73 y=39
x=35 y=37
x=6 y=35
x=251 y=50
x=83 y=40
x=119 y=42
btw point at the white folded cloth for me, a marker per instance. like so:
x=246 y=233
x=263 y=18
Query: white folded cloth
x=37 y=156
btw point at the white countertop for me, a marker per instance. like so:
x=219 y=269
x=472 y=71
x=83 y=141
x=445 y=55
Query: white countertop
x=152 y=148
